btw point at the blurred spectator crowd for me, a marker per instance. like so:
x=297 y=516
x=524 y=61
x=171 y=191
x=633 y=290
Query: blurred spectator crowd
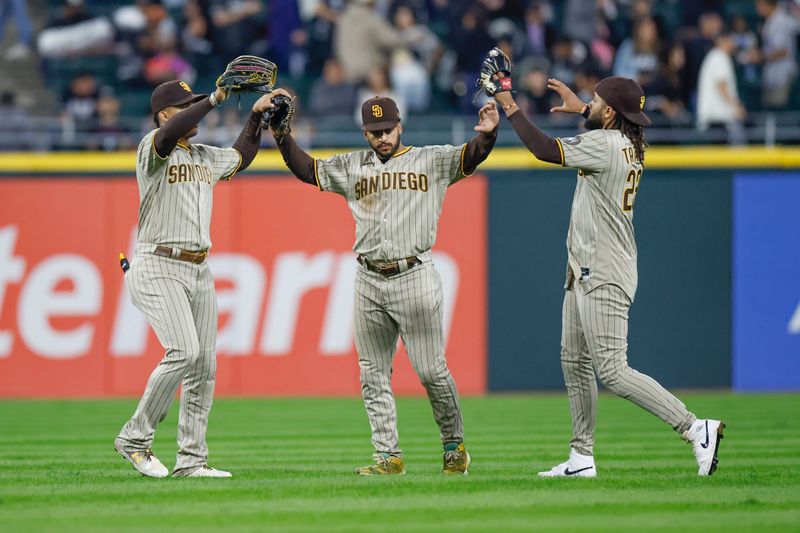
x=704 y=63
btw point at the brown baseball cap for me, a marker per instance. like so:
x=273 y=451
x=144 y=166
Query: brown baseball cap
x=379 y=113
x=173 y=92
x=625 y=96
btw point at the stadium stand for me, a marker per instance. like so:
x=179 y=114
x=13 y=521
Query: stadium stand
x=430 y=50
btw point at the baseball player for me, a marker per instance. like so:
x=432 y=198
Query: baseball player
x=601 y=275
x=395 y=194
x=169 y=279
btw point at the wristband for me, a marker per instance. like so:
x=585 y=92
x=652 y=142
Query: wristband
x=585 y=111
x=213 y=100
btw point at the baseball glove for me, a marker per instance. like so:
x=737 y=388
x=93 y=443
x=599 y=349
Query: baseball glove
x=495 y=74
x=248 y=74
x=279 y=118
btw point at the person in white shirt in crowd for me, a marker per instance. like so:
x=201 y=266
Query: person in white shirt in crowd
x=718 y=101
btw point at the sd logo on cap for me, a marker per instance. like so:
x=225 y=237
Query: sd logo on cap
x=379 y=113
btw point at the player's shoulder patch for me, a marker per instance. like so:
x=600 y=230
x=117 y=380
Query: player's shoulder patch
x=588 y=137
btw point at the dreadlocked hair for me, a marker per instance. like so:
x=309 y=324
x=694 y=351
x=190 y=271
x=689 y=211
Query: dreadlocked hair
x=634 y=133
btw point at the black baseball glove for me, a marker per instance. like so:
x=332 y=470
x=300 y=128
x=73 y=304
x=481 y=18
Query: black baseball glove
x=279 y=118
x=495 y=72
x=248 y=74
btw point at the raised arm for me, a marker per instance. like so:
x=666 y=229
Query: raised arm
x=182 y=122
x=479 y=147
x=298 y=161
x=495 y=80
x=541 y=145
x=250 y=139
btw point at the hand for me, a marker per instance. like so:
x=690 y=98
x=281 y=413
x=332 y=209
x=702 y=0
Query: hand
x=265 y=102
x=277 y=110
x=488 y=118
x=572 y=104
x=221 y=95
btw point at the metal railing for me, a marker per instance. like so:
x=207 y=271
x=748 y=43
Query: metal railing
x=58 y=134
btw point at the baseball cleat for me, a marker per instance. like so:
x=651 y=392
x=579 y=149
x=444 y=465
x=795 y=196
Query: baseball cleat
x=456 y=460
x=144 y=461
x=201 y=471
x=577 y=466
x=384 y=464
x=704 y=436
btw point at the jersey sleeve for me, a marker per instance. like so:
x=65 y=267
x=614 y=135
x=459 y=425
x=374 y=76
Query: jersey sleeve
x=448 y=162
x=588 y=151
x=333 y=174
x=224 y=162
x=148 y=159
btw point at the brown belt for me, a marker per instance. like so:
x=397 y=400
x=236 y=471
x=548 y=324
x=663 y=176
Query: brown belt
x=390 y=269
x=181 y=255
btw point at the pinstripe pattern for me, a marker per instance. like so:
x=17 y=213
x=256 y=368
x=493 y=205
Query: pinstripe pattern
x=596 y=336
x=601 y=236
x=408 y=305
x=197 y=388
x=395 y=220
x=178 y=213
x=601 y=284
x=177 y=297
x=579 y=377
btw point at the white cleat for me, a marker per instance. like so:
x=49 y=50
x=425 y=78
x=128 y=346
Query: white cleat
x=704 y=436
x=577 y=466
x=202 y=471
x=144 y=461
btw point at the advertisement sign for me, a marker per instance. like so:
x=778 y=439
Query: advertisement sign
x=284 y=270
x=766 y=282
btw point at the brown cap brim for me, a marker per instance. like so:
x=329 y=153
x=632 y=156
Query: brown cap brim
x=638 y=118
x=380 y=125
x=190 y=99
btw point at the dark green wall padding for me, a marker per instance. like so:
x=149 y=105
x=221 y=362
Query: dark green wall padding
x=680 y=326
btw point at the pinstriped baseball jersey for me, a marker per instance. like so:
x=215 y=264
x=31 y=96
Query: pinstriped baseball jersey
x=396 y=205
x=175 y=192
x=177 y=297
x=600 y=241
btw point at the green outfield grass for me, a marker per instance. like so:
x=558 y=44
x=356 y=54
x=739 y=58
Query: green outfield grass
x=293 y=461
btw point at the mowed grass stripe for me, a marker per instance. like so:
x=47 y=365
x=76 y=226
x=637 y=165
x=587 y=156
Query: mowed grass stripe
x=293 y=461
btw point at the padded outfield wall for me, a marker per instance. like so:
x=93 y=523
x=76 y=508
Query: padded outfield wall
x=718 y=303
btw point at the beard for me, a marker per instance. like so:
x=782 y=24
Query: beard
x=383 y=152
x=593 y=123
